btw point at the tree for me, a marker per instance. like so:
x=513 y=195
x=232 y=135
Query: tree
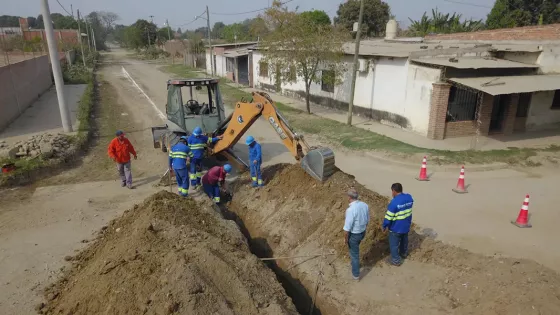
x=376 y=16
x=442 y=23
x=9 y=21
x=317 y=16
x=515 y=13
x=140 y=34
x=32 y=22
x=299 y=47
x=218 y=29
x=163 y=34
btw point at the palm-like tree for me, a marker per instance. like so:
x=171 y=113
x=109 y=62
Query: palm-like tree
x=442 y=23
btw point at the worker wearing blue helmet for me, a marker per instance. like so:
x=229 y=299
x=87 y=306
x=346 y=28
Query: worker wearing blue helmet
x=197 y=143
x=178 y=158
x=255 y=161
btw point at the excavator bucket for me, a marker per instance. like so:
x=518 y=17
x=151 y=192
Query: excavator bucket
x=319 y=163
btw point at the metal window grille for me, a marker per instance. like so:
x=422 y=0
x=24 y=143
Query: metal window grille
x=462 y=104
x=327 y=78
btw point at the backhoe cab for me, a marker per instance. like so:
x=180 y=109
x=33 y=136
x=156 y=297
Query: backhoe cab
x=190 y=103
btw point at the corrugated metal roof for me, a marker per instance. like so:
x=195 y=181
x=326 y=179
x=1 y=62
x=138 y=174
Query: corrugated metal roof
x=474 y=63
x=396 y=49
x=512 y=84
x=236 y=53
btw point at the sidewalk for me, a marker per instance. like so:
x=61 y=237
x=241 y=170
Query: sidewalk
x=526 y=140
x=44 y=115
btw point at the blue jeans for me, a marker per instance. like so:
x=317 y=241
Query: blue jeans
x=354 y=241
x=398 y=243
x=213 y=191
x=256 y=175
x=182 y=176
x=196 y=171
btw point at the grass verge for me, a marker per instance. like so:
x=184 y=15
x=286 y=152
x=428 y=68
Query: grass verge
x=355 y=138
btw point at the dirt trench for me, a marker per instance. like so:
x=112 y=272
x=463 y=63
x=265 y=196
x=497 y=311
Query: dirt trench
x=169 y=255
x=294 y=215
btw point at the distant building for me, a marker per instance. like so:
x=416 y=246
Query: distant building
x=451 y=85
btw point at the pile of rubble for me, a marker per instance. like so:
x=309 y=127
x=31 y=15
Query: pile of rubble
x=46 y=145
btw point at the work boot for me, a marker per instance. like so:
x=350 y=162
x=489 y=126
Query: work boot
x=254 y=184
x=123 y=184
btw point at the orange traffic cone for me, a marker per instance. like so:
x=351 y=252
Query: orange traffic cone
x=523 y=217
x=423 y=172
x=460 y=189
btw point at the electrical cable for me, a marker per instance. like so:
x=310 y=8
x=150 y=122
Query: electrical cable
x=253 y=11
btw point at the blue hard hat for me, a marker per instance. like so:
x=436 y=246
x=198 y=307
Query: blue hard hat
x=197 y=131
x=249 y=140
x=184 y=138
x=119 y=132
x=227 y=168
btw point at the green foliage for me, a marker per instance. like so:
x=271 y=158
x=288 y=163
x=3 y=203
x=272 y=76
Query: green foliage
x=152 y=53
x=516 y=13
x=317 y=17
x=300 y=44
x=376 y=16
x=85 y=109
x=442 y=24
x=164 y=33
x=76 y=74
x=141 y=34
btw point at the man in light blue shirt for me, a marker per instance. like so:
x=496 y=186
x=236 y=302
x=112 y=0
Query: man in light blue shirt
x=357 y=219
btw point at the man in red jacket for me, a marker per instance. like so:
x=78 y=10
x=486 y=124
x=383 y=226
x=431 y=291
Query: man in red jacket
x=213 y=179
x=120 y=150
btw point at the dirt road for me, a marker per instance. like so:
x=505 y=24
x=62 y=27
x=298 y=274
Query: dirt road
x=44 y=225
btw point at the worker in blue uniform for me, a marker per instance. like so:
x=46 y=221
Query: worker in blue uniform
x=255 y=161
x=178 y=157
x=197 y=143
x=398 y=220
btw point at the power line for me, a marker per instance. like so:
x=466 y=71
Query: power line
x=63 y=8
x=470 y=4
x=193 y=20
x=253 y=11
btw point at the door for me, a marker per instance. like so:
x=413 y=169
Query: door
x=243 y=69
x=499 y=110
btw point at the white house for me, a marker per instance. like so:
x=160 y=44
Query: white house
x=441 y=87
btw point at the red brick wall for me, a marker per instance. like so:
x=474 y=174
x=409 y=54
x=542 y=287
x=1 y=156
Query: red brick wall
x=460 y=128
x=539 y=32
x=66 y=36
x=438 y=110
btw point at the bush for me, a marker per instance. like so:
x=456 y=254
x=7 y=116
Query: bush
x=152 y=53
x=76 y=74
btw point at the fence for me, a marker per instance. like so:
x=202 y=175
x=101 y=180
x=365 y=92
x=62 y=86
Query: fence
x=181 y=51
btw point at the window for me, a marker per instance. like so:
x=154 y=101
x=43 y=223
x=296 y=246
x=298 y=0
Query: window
x=523 y=105
x=230 y=65
x=462 y=104
x=327 y=80
x=263 y=69
x=556 y=100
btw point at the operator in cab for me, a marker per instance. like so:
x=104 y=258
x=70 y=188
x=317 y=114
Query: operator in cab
x=255 y=161
x=197 y=143
x=178 y=158
x=215 y=179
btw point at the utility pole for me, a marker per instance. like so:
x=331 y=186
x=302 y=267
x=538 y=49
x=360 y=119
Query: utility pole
x=168 y=28
x=210 y=41
x=88 y=38
x=55 y=63
x=355 y=66
x=151 y=19
x=81 y=42
x=93 y=39
x=148 y=32
x=72 y=10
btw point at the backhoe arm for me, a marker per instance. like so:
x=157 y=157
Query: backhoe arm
x=246 y=113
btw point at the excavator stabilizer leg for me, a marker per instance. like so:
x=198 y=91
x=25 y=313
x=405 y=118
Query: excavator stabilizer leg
x=319 y=163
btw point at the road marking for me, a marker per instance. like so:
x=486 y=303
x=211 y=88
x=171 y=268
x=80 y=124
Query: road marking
x=159 y=112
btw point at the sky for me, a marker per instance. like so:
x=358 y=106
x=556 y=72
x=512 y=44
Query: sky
x=182 y=13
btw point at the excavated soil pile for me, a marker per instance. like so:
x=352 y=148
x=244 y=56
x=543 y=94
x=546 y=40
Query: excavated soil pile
x=168 y=255
x=294 y=215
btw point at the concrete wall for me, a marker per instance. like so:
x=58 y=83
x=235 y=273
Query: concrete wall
x=31 y=78
x=549 y=59
x=418 y=96
x=540 y=116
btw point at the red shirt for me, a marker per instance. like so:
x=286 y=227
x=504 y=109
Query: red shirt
x=121 y=151
x=214 y=176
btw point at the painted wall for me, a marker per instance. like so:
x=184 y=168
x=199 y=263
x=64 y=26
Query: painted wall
x=31 y=79
x=540 y=116
x=549 y=59
x=391 y=91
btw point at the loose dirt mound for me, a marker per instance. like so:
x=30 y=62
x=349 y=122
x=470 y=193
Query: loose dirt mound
x=295 y=215
x=168 y=256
